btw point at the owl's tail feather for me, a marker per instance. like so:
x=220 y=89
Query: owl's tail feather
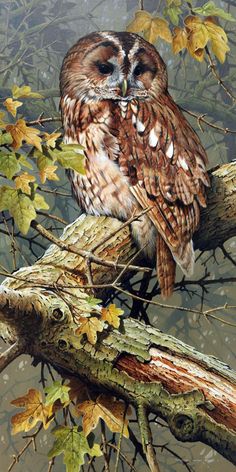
x=185 y=258
x=165 y=268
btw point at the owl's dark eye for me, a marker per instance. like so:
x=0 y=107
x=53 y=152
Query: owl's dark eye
x=139 y=69
x=106 y=68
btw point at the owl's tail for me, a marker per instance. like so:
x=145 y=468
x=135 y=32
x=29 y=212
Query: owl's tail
x=166 y=266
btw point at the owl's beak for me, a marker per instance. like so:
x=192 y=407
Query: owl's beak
x=124 y=87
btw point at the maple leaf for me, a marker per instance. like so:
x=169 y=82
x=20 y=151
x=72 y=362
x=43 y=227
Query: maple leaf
x=78 y=390
x=21 y=132
x=218 y=39
x=9 y=164
x=35 y=410
x=180 y=40
x=89 y=326
x=22 y=182
x=57 y=391
x=111 y=315
x=48 y=172
x=51 y=138
x=74 y=445
x=109 y=409
x=198 y=36
x=39 y=202
x=24 y=92
x=152 y=27
x=3 y=124
x=12 y=105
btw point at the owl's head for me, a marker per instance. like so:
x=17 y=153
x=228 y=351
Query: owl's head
x=115 y=66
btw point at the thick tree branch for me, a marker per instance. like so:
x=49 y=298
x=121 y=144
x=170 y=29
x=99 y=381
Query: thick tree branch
x=194 y=394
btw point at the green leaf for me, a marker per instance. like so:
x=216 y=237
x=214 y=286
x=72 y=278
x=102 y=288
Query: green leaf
x=23 y=161
x=92 y=301
x=71 y=156
x=22 y=209
x=39 y=202
x=173 y=12
x=57 y=391
x=74 y=445
x=43 y=161
x=7 y=194
x=210 y=9
x=9 y=165
x=5 y=138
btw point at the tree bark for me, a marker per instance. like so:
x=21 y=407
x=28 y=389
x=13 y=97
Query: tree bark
x=193 y=393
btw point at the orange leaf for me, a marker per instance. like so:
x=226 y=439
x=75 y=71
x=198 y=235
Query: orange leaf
x=111 y=315
x=198 y=36
x=218 y=38
x=22 y=182
x=109 y=409
x=12 y=105
x=35 y=410
x=48 y=173
x=152 y=27
x=89 y=326
x=179 y=40
x=21 y=132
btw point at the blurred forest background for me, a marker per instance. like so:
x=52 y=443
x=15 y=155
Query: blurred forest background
x=34 y=37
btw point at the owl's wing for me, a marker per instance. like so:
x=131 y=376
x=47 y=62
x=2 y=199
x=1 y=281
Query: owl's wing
x=166 y=164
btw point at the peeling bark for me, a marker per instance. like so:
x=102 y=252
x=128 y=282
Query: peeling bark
x=193 y=393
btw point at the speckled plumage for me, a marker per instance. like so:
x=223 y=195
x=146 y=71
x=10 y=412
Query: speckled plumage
x=140 y=150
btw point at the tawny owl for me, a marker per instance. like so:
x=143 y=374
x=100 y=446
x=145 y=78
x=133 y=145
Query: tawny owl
x=140 y=150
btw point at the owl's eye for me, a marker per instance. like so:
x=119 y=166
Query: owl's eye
x=139 y=69
x=106 y=68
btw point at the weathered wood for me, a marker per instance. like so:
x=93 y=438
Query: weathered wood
x=194 y=394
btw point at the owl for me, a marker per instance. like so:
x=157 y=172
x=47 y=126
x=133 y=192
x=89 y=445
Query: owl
x=140 y=151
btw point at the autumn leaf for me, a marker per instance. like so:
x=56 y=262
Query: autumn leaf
x=48 y=173
x=22 y=182
x=35 y=410
x=24 y=92
x=9 y=165
x=107 y=408
x=74 y=445
x=3 y=124
x=89 y=326
x=218 y=38
x=111 y=315
x=152 y=27
x=51 y=138
x=21 y=132
x=179 y=40
x=198 y=36
x=78 y=390
x=12 y=105
x=57 y=391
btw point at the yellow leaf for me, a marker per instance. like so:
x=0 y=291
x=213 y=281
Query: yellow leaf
x=12 y=105
x=24 y=91
x=158 y=28
x=198 y=36
x=141 y=22
x=89 y=326
x=107 y=408
x=111 y=315
x=35 y=410
x=179 y=40
x=22 y=182
x=152 y=27
x=3 y=124
x=48 y=173
x=218 y=38
x=21 y=132
x=51 y=138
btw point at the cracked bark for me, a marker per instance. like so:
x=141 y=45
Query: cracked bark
x=193 y=393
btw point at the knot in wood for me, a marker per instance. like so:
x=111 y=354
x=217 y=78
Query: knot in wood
x=58 y=315
x=184 y=426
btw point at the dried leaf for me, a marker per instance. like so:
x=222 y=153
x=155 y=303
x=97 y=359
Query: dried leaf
x=35 y=410
x=12 y=105
x=218 y=37
x=51 y=138
x=179 y=40
x=107 y=408
x=48 y=173
x=198 y=36
x=21 y=132
x=24 y=92
x=74 y=445
x=152 y=27
x=22 y=182
x=111 y=315
x=89 y=326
